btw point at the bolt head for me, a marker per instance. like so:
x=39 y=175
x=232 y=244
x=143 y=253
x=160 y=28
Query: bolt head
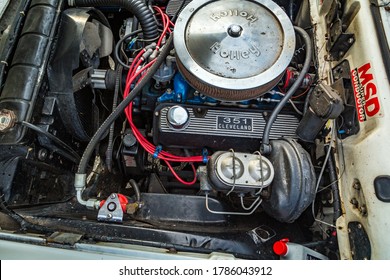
x=235 y=30
x=356 y=185
x=7 y=120
x=42 y=154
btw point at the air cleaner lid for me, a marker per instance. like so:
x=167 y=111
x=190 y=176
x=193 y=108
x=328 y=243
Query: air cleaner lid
x=234 y=45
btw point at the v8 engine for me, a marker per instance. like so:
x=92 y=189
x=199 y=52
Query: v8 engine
x=169 y=113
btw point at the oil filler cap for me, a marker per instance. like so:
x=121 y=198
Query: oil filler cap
x=177 y=117
x=233 y=50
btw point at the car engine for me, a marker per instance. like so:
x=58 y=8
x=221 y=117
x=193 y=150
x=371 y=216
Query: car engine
x=203 y=125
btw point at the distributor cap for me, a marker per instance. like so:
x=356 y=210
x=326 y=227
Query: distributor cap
x=233 y=50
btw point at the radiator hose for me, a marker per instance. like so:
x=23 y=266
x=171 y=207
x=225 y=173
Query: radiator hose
x=137 y=7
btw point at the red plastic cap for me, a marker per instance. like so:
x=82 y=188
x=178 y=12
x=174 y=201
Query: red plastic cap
x=280 y=247
x=123 y=201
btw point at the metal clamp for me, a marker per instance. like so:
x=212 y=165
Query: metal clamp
x=111 y=211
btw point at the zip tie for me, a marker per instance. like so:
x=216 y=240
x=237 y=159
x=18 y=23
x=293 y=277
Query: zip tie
x=157 y=151
x=205 y=155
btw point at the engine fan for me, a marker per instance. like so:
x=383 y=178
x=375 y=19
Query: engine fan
x=83 y=42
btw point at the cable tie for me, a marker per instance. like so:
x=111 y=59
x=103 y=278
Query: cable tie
x=157 y=151
x=205 y=155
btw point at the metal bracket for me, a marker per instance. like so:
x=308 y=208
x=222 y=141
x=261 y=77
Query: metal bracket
x=338 y=21
x=111 y=211
x=340 y=47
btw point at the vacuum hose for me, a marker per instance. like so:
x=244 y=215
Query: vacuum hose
x=265 y=146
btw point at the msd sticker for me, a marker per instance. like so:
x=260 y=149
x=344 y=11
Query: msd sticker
x=365 y=91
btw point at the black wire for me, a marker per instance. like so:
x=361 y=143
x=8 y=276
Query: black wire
x=335 y=188
x=53 y=138
x=99 y=93
x=135 y=187
x=148 y=40
x=382 y=5
x=118 y=46
x=24 y=225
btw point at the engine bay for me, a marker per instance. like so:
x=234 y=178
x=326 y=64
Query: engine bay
x=202 y=126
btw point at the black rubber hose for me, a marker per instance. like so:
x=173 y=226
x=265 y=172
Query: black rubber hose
x=265 y=146
x=137 y=7
x=110 y=145
x=122 y=106
x=335 y=189
x=137 y=192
